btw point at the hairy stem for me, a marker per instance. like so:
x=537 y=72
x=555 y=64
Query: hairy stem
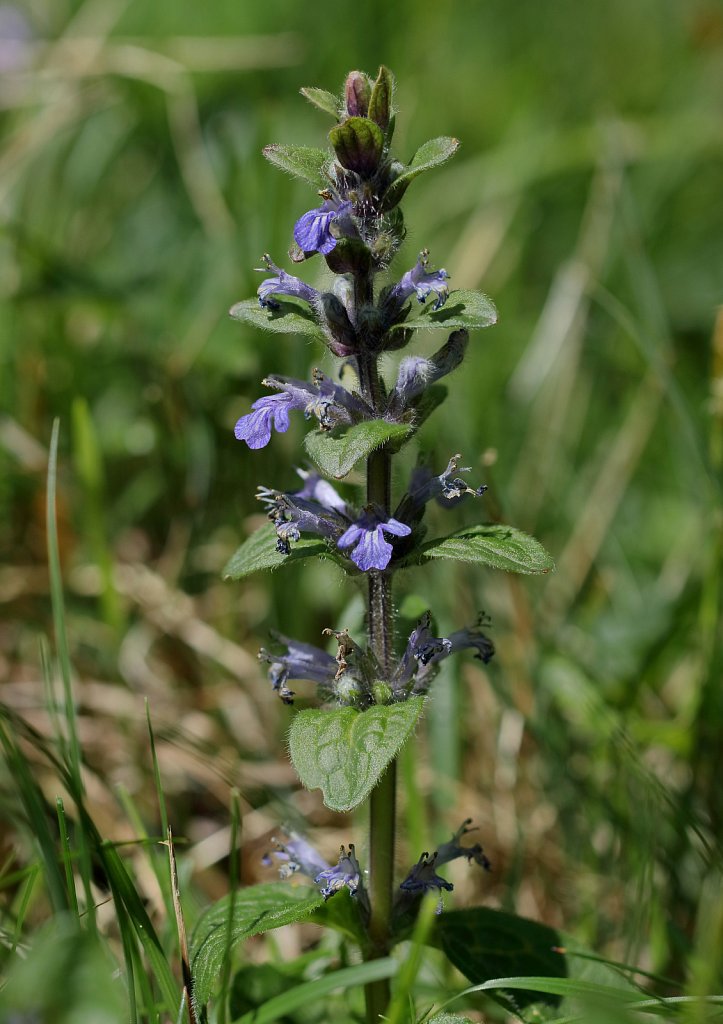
x=382 y=802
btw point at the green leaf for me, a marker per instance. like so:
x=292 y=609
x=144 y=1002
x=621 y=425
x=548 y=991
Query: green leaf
x=502 y=547
x=472 y=310
x=256 y=909
x=344 y=915
x=449 y=1018
x=337 y=453
x=322 y=100
x=312 y=993
x=358 y=144
x=302 y=161
x=289 y=318
x=484 y=944
x=432 y=153
x=381 y=98
x=259 y=552
x=344 y=752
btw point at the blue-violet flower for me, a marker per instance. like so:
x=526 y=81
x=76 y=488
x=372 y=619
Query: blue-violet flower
x=312 y=231
x=301 y=661
x=296 y=855
x=272 y=410
x=423 y=878
x=423 y=282
x=346 y=872
x=371 y=550
x=282 y=284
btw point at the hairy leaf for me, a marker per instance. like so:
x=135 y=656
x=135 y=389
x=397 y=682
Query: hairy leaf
x=381 y=98
x=472 y=310
x=259 y=552
x=321 y=99
x=302 y=161
x=238 y=916
x=502 y=547
x=289 y=318
x=432 y=153
x=485 y=944
x=449 y=1018
x=344 y=752
x=337 y=453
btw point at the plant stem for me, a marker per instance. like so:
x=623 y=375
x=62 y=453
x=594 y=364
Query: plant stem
x=382 y=802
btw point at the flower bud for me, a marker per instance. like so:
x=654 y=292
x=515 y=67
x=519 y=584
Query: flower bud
x=340 y=327
x=382 y=692
x=348 y=690
x=357 y=92
x=358 y=144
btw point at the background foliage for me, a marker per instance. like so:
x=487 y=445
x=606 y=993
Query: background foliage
x=134 y=205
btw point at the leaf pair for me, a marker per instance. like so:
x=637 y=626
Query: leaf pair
x=350 y=140
x=481 y=943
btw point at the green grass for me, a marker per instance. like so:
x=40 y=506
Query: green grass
x=134 y=206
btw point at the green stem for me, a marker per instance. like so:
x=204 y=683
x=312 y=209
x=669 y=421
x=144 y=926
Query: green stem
x=382 y=802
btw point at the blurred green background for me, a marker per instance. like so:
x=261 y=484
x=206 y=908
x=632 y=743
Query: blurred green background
x=586 y=200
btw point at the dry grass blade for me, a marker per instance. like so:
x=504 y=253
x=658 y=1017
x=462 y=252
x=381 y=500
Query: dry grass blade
x=193 y=1017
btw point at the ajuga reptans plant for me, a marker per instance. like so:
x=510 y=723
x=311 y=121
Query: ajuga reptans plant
x=373 y=694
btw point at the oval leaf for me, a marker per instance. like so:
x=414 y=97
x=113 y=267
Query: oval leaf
x=345 y=752
x=321 y=99
x=302 y=161
x=289 y=318
x=336 y=453
x=432 y=153
x=502 y=547
x=485 y=944
x=256 y=909
x=472 y=310
x=259 y=552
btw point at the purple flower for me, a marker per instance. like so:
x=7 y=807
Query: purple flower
x=422 y=879
x=425 y=650
x=272 y=410
x=283 y=284
x=474 y=638
x=296 y=855
x=347 y=872
x=422 y=282
x=312 y=231
x=317 y=489
x=446 y=488
x=300 y=661
x=453 y=850
x=422 y=648
x=292 y=514
x=372 y=551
